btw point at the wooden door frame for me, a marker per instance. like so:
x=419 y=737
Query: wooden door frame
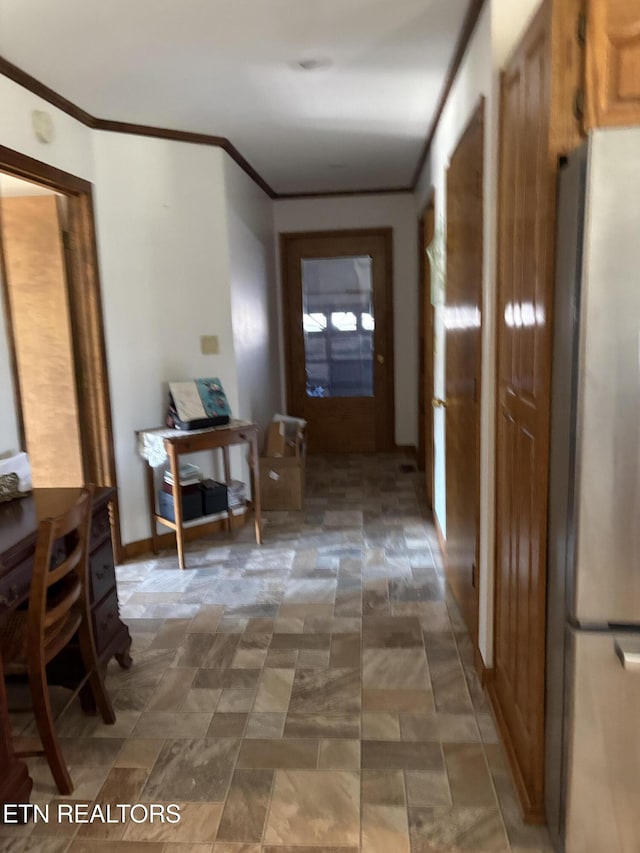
x=425 y=349
x=286 y=240
x=87 y=326
x=478 y=115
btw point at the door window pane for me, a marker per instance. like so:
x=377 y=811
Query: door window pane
x=338 y=323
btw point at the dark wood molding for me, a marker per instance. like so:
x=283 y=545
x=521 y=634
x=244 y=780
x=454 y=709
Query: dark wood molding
x=31 y=169
x=11 y=71
x=193 y=138
x=8 y=69
x=235 y=155
x=93 y=385
x=345 y=193
x=85 y=308
x=159 y=132
x=468 y=28
x=485 y=674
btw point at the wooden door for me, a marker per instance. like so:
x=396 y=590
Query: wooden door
x=36 y=283
x=524 y=342
x=463 y=330
x=425 y=389
x=339 y=338
x=537 y=126
x=612 y=63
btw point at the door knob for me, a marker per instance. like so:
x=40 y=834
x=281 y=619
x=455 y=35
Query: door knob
x=437 y=403
x=380 y=359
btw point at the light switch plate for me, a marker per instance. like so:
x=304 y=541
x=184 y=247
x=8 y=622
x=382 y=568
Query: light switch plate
x=209 y=344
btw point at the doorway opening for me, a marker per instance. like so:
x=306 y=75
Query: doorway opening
x=54 y=330
x=337 y=293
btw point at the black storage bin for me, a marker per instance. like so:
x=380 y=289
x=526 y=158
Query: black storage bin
x=191 y=505
x=214 y=497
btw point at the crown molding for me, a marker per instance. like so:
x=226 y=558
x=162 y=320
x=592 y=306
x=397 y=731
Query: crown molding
x=36 y=87
x=344 y=193
x=468 y=28
x=187 y=136
x=8 y=69
x=12 y=72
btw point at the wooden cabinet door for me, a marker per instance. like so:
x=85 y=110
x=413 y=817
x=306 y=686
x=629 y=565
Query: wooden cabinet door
x=526 y=198
x=613 y=63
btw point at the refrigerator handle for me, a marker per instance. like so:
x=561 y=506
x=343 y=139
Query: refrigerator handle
x=628 y=651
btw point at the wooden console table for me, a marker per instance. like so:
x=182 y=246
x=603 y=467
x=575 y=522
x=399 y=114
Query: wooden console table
x=177 y=443
x=19 y=521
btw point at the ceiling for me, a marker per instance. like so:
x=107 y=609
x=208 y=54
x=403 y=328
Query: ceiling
x=229 y=68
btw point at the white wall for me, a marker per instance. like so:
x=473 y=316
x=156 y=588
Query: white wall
x=71 y=148
x=71 y=151
x=254 y=295
x=164 y=260
x=498 y=31
x=370 y=211
x=170 y=253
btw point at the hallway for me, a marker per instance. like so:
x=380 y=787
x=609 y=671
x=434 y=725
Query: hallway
x=317 y=693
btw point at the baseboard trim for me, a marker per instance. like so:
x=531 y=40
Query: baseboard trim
x=167 y=541
x=530 y=813
x=442 y=542
x=485 y=673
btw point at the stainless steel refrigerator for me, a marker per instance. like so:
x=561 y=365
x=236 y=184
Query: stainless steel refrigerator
x=593 y=634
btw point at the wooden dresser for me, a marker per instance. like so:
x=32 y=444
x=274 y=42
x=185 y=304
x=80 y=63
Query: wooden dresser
x=18 y=532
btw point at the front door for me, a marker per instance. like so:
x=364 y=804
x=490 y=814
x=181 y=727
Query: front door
x=462 y=320
x=339 y=340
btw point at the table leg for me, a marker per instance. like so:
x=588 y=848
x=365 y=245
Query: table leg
x=255 y=467
x=151 y=500
x=15 y=782
x=227 y=478
x=177 y=502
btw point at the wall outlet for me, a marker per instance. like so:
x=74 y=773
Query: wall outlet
x=209 y=345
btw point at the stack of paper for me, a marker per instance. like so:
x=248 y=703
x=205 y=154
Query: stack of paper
x=189 y=474
x=237 y=496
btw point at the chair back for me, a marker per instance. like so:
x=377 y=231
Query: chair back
x=59 y=593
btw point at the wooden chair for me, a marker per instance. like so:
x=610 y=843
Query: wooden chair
x=58 y=609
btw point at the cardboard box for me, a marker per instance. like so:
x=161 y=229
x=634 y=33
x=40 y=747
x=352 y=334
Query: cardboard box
x=282 y=466
x=276 y=442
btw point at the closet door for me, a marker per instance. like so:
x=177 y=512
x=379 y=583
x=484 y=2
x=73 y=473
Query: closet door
x=526 y=199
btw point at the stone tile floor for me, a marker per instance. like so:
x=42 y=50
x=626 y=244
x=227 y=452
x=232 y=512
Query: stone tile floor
x=317 y=693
